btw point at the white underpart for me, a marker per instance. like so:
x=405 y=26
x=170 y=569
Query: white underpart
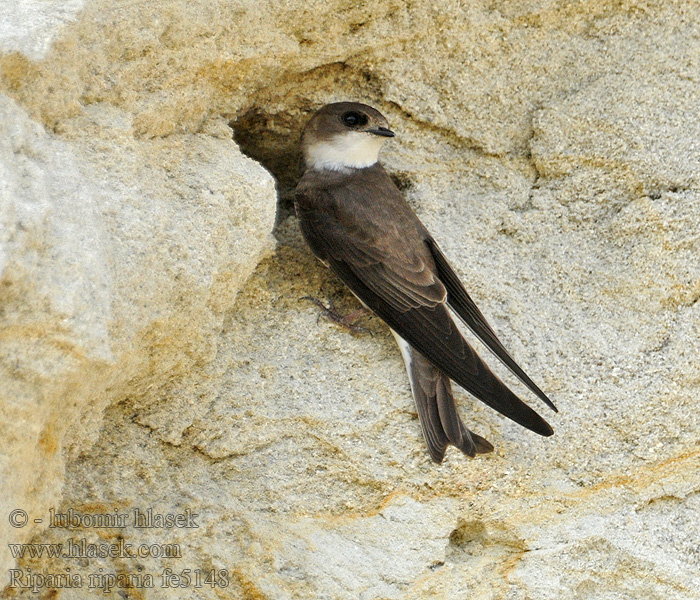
x=354 y=150
x=407 y=354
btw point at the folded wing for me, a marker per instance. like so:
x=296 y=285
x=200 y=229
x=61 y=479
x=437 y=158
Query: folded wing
x=460 y=301
x=399 y=280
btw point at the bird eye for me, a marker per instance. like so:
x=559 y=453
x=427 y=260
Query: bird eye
x=354 y=119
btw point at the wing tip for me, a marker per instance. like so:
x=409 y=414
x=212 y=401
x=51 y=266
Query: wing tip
x=544 y=429
x=542 y=396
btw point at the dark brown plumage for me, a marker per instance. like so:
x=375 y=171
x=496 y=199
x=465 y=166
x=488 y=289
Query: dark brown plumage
x=358 y=223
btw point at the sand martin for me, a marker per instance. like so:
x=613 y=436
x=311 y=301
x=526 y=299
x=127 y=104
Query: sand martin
x=358 y=223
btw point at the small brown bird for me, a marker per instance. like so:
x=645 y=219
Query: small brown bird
x=358 y=223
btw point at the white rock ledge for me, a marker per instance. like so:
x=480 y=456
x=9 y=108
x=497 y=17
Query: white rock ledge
x=117 y=262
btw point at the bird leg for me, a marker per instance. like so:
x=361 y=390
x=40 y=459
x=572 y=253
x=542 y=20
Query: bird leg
x=347 y=321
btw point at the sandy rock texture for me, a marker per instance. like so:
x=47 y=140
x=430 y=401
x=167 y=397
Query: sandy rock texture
x=157 y=353
x=119 y=258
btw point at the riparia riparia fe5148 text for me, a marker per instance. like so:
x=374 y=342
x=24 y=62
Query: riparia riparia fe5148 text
x=358 y=223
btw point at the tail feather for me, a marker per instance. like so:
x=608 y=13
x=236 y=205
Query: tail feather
x=437 y=411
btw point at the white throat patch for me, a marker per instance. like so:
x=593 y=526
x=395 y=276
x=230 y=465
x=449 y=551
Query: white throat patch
x=353 y=149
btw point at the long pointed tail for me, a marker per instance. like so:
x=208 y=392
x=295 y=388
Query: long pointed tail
x=437 y=411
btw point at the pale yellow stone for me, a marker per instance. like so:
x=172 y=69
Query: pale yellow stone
x=155 y=354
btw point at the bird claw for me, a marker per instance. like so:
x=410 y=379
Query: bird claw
x=346 y=322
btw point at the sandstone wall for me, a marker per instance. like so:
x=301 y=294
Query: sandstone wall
x=155 y=351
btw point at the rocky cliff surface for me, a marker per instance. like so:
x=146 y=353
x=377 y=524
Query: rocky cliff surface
x=155 y=352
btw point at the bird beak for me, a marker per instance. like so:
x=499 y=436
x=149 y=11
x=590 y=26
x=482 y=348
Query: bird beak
x=383 y=131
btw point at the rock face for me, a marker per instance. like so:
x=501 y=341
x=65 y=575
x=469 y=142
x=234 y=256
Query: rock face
x=119 y=260
x=155 y=353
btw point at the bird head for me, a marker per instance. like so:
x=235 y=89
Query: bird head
x=344 y=135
